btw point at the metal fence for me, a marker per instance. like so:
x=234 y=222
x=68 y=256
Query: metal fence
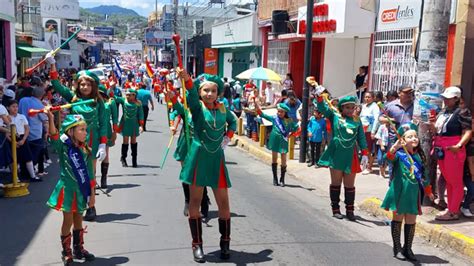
x=394 y=63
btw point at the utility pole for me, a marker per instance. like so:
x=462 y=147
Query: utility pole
x=185 y=41
x=175 y=19
x=156 y=27
x=307 y=72
x=431 y=68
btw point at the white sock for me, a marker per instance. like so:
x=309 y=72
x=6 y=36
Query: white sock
x=31 y=169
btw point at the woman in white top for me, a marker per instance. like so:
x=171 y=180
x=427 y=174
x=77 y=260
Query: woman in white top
x=288 y=82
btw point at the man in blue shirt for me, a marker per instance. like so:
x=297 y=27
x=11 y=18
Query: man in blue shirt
x=144 y=96
x=294 y=103
x=36 y=122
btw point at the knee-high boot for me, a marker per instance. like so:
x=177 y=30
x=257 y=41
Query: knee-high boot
x=224 y=229
x=349 y=198
x=396 y=229
x=186 y=199
x=204 y=205
x=123 y=159
x=334 y=193
x=66 y=253
x=409 y=235
x=195 y=225
x=134 y=155
x=275 y=173
x=282 y=177
x=78 y=244
x=104 y=169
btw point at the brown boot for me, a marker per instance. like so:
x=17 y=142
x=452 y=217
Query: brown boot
x=66 y=254
x=78 y=244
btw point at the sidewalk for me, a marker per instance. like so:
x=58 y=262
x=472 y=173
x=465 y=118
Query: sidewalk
x=457 y=236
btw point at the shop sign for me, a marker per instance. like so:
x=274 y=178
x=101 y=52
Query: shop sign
x=165 y=56
x=398 y=14
x=156 y=37
x=60 y=9
x=210 y=61
x=324 y=19
x=104 y=31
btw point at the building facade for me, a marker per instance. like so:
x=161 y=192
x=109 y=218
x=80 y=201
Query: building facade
x=7 y=40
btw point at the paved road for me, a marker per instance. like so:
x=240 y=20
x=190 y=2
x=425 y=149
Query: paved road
x=141 y=222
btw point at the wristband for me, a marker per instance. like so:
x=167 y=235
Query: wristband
x=103 y=140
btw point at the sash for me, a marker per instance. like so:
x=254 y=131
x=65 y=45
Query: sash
x=281 y=127
x=417 y=168
x=79 y=168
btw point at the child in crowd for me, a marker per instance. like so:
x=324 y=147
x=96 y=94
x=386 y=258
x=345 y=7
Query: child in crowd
x=75 y=190
x=317 y=133
x=381 y=137
x=24 y=155
x=236 y=105
x=405 y=194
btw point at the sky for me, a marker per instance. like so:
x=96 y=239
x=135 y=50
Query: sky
x=144 y=7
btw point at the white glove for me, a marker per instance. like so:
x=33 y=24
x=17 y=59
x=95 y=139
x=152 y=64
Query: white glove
x=101 y=153
x=364 y=160
x=319 y=90
x=50 y=58
x=225 y=142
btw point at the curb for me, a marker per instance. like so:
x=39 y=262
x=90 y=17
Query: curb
x=434 y=233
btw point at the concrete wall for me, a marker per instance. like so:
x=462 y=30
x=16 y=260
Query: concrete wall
x=342 y=58
x=7 y=14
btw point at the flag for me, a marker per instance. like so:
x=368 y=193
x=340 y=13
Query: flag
x=117 y=71
x=149 y=69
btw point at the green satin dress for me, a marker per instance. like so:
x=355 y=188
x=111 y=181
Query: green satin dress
x=132 y=117
x=277 y=142
x=111 y=113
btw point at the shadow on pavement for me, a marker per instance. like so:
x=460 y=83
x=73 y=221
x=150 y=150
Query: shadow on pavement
x=133 y=175
x=21 y=217
x=148 y=166
x=231 y=163
x=427 y=259
x=214 y=215
x=104 y=261
x=299 y=186
x=240 y=257
x=112 y=217
x=152 y=131
x=120 y=186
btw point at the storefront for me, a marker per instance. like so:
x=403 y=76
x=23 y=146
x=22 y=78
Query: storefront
x=393 y=60
x=28 y=55
x=341 y=43
x=7 y=40
x=238 y=49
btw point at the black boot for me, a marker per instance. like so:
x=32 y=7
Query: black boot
x=282 y=177
x=104 y=169
x=396 y=227
x=66 y=254
x=275 y=173
x=334 y=193
x=90 y=214
x=409 y=235
x=195 y=225
x=134 y=155
x=349 y=198
x=78 y=243
x=123 y=159
x=204 y=206
x=224 y=229
x=186 y=199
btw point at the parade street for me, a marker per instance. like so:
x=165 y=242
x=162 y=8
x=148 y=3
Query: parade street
x=140 y=219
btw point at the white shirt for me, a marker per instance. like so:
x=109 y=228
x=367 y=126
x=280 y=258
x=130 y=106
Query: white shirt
x=269 y=95
x=3 y=111
x=368 y=115
x=20 y=121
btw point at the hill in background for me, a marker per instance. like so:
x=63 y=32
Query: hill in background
x=126 y=22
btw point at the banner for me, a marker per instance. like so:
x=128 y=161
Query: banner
x=210 y=61
x=155 y=37
x=60 y=9
x=104 y=31
x=398 y=14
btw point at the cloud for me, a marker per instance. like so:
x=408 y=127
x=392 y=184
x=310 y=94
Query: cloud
x=144 y=4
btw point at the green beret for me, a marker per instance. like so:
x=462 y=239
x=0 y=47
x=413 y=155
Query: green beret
x=346 y=100
x=90 y=75
x=102 y=89
x=71 y=121
x=283 y=107
x=406 y=127
x=132 y=91
x=203 y=78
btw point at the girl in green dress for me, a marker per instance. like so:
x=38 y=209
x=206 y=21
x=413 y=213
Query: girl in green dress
x=341 y=156
x=204 y=165
x=405 y=193
x=112 y=129
x=131 y=125
x=75 y=189
x=93 y=113
x=282 y=128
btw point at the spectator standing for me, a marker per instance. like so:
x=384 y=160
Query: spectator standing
x=317 y=133
x=453 y=127
x=5 y=154
x=237 y=88
x=269 y=93
x=361 y=82
x=227 y=90
x=288 y=82
x=369 y=113
x=293 y=103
